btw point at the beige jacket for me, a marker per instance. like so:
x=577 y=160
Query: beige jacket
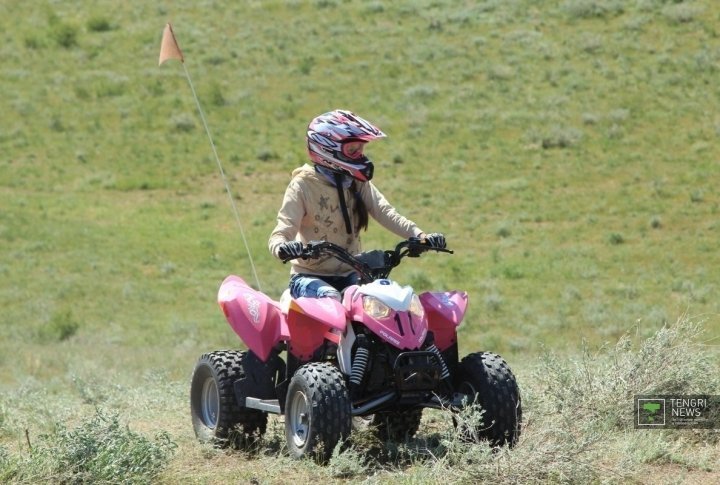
x=311 y=211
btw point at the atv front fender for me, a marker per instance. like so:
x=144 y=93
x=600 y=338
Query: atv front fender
x=311 y=321
x=445 y=311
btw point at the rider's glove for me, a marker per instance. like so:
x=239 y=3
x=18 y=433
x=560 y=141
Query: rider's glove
x=435 y=240
x=290 y=250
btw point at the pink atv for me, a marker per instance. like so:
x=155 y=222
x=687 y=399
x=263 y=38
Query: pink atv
x=380 y=356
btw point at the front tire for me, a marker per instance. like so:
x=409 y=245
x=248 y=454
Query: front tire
x=217 y=417
x=486 y=379
x=317 y=411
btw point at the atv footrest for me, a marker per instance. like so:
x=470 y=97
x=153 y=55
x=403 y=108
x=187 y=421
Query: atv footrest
x=267 y=405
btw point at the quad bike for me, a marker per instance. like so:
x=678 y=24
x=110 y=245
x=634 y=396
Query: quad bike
x=379 y=356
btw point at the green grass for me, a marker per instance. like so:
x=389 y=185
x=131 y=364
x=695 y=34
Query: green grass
x=578 y=415
x=568 y=149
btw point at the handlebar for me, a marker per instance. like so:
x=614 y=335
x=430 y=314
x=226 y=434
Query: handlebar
x=370 y=265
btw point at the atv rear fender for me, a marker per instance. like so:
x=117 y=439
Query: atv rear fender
x=254 y=316
x=445 y=311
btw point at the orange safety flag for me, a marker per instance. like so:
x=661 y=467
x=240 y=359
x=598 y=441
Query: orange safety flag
x=169 y=49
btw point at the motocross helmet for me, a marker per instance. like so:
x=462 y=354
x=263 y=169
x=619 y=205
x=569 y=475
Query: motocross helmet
x=335 y=140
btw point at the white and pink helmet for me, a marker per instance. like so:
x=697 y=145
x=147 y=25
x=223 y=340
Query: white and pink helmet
x=328 y=137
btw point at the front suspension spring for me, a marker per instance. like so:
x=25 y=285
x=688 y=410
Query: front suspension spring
x=359 y=364
x=445 y=372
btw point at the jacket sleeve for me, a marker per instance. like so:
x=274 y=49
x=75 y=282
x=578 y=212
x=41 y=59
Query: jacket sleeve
x=289 y=217
x=381 y=210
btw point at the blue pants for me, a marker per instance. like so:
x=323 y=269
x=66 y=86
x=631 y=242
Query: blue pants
x=313 y=286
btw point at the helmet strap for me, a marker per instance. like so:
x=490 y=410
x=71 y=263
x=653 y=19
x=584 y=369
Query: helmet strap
x=343 y=204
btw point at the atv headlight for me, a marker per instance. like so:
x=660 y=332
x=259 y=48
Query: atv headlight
x=374 y=307
x=416 y=307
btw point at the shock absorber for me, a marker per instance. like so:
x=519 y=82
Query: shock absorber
x=360 y=361
x=445 y=373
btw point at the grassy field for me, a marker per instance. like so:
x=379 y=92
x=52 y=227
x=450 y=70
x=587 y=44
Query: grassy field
x=568 y=149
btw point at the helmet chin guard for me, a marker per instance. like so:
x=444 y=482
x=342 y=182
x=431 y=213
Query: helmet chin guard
x=328 y=133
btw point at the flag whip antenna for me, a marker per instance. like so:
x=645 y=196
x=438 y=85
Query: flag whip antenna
x=169 y=49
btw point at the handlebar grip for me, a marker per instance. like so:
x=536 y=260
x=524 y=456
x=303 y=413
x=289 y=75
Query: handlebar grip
x=427 y=246
x=304 y=255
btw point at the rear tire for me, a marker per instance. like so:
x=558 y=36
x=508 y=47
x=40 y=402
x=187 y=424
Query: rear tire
x=217 y=417
x=317 y=411
x=486 y=379
x=397 y=425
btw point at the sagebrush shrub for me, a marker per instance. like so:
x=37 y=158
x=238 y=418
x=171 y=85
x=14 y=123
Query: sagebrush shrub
x=100 y=450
